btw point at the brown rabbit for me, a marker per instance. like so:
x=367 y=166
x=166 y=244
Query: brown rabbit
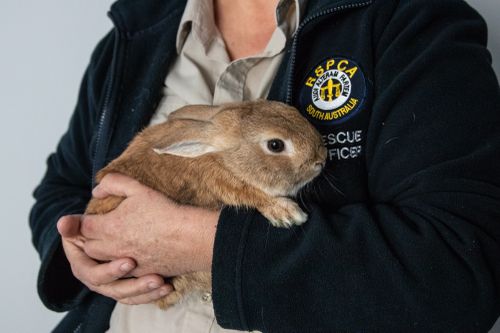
x=250 y=154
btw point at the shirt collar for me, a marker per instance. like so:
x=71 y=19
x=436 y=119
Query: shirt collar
x=198 y=18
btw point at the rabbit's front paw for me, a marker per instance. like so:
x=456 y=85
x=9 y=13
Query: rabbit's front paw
x=284 y=213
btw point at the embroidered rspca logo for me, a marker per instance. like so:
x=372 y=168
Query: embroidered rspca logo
x=333 y=91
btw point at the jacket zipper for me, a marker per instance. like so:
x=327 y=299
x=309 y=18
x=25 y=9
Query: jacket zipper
x=78 y=328
x=107 y=99
x=299 y=30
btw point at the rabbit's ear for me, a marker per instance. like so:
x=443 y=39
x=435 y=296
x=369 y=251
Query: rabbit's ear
x=187 y=138
x=187 y=149
x=196 y=112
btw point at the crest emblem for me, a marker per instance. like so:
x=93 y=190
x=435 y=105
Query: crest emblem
x=333 y=91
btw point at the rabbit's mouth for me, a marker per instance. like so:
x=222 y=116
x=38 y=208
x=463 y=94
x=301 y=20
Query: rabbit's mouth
x=289 y=190
x=286 y=187
x=300 y=185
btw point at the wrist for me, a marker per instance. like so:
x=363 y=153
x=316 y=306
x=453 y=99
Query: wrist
x=202 y=231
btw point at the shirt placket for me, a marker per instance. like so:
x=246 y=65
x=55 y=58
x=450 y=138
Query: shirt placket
x=230 y=87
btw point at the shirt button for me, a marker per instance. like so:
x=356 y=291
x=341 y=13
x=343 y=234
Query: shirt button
x=206 y=297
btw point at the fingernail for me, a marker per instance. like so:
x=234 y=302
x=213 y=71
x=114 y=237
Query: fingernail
x=163 y=292
x=153 y=285
x=126 y=267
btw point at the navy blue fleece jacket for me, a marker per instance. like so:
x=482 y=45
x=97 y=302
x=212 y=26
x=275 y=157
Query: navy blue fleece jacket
x=403 y=236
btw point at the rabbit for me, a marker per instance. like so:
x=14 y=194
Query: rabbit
x=254 y=154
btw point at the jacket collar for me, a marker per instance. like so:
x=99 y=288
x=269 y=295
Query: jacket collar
x=317 y=6
x=136 y=16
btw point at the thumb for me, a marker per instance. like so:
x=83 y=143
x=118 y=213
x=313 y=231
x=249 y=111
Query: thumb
x=118 y=185
x=69 y=226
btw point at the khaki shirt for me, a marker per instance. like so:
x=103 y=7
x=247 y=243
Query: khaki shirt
x=203 y=74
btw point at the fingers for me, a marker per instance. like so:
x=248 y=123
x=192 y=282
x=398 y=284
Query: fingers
x=148 y=297
x=101 y=250
x=106 y=278
x=91 y=272
x=143 y=290
x=69 y=226
x=100 y=227
x=94 y=226
x=118 y=185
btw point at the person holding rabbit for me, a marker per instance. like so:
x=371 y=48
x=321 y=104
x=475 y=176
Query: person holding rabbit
x=403 y=231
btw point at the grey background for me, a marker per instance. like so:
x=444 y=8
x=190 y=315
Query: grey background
x=44 y=48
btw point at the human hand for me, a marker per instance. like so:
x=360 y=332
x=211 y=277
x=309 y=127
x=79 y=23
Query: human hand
x=161 y=236
x=107 y=278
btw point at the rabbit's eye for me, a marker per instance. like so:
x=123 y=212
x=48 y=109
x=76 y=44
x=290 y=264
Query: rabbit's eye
x=276 y=145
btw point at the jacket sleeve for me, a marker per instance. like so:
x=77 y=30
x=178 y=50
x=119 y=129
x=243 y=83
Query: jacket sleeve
x=421 y=254
x=66 y=188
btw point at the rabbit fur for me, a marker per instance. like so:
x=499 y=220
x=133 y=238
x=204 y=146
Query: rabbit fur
x=213 y=156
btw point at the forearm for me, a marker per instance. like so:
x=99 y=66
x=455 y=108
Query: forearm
x=364 y=267
x=64 y=189
x=56 y=196
x=57 y=286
